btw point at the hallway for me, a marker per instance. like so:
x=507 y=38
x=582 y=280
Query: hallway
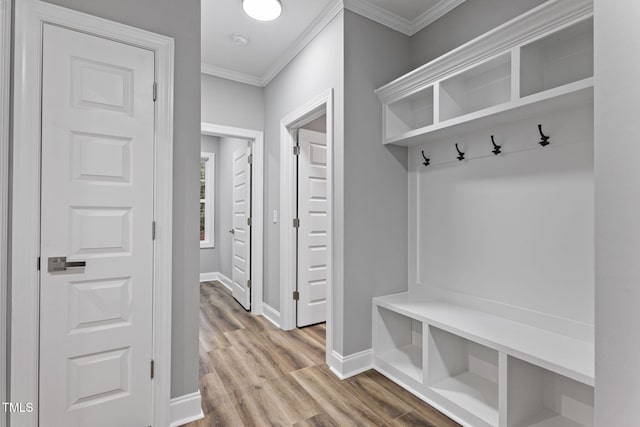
x=253 y=374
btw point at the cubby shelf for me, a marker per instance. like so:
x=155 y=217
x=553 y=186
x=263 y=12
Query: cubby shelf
x=549 y=377
x=507 y=74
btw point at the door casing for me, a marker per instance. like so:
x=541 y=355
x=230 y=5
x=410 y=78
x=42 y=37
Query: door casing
x=257 y=204
x=316 y=107
x=5 y=82
x=30 y=16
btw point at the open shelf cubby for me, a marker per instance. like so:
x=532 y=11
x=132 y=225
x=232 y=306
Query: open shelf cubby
x=399 y=342
x=410 y=113
x=563 y=57
x=541 y=398
x=477 y=88
x=465 y=373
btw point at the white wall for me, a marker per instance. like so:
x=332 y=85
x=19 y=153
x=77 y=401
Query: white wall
x=516 y=229
x=210 y=257
x=229 y=103
x=617 y=41
x=375 y=179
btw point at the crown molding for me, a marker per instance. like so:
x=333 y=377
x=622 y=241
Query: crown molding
x=381 y=16
x=398 y=23
x=228 y=74
x=361 y=7
x=318 y=24
x=437 y=11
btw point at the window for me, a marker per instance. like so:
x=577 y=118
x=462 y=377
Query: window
x=207 y=165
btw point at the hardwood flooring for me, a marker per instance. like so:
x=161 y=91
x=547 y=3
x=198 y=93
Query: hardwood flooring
x=254 y=374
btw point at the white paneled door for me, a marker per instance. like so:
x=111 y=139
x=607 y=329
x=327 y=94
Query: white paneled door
x=241 y=251
x=312 y=232
x=97 y=208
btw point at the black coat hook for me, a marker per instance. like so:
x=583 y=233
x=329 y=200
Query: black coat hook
x=427 y=161
x=544 y=141
x=460 y=153
x=496 y=148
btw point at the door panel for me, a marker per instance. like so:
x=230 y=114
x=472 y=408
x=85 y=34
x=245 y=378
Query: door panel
x=97 y=207
x=241 y=257
x=312 y=234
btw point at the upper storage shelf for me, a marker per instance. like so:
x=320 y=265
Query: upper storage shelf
x=537 y=62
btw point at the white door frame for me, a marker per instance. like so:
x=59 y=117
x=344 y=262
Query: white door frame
x=321 y=104
x=5 y=82
x=30 y=16
x=257 y=203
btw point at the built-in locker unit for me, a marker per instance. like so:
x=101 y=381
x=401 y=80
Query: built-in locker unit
x=497 y=325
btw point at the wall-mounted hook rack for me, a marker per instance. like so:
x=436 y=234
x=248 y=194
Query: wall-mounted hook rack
x=427 y=160
x=544 y=141
x=460 y=153
x=497 y=149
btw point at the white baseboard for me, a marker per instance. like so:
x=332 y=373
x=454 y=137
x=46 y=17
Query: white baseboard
x=271 y=314
x=216 y=275
x=185 y=409
x=353 y=364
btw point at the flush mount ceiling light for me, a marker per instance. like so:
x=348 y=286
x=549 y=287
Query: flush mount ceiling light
x=262 y=10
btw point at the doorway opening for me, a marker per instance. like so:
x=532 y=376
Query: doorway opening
x=231 y=220
x=306 y=206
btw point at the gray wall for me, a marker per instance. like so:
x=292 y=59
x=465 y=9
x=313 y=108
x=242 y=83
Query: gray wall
x=375 y=178
x=224 y=240
x=229 y=103
x=210 y=257
x=180 y=20
x=317 y=68
x=617 y=34
x=466 y=22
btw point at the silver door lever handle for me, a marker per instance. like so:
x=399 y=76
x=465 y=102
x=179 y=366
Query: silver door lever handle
x=60 y=263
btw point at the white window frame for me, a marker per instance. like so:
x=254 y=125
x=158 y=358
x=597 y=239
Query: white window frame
x=209 y=201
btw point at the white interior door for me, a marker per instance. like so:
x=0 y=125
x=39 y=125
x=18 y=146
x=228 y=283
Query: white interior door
x=97 y=207
x=312 y=232
x=241 y=248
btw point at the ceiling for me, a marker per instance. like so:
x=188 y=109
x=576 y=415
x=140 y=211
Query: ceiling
x=273 y=44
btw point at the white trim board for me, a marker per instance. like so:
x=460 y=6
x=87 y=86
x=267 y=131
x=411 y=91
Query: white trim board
x=30 y=16
x=353 y=364
x=216 y=276
x=257 y=203
x=271 y=314
x=361 y=7
x=314 y=108
x=5 y=82
x=185 y=409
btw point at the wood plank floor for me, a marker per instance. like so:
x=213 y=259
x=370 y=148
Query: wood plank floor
x=254 y=374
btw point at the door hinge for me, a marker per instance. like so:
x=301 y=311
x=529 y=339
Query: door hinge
x=155 y=91
x=296 y=150
x=296 y=295
x=249 y=283
x=296 y=222
x=249 y=222
x=153 y=230
x=38 y=263
x=250 y=159
x=152 y=368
